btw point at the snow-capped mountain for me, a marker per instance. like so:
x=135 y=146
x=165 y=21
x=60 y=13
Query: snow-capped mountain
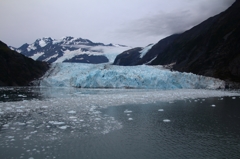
x=70 y=49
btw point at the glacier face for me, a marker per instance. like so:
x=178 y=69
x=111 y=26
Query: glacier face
x=111 y=76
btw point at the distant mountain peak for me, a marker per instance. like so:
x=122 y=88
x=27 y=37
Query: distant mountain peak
x=70 y=49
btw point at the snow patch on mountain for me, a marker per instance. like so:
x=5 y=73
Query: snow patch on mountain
x=31 y=47
x=42 y=43
x=145 y=50
x=37 y=55
x=111 y=76
x=70 y=54
x=51 y=57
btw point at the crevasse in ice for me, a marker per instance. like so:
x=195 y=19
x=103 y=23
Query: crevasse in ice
x=111 y=76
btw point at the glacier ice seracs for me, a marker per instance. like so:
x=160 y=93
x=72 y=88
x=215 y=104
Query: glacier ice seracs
x=111 y=76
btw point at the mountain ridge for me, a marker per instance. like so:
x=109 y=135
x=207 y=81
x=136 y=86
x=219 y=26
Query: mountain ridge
x=70 y=49
x=210 y=48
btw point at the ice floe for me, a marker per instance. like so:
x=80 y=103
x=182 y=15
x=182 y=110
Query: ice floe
x=127 y=111
x=77 y=112
x=166 y=120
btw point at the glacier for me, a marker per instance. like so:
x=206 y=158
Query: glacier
x=111 y=76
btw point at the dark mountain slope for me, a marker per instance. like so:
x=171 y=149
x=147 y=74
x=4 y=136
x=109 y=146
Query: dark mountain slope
x=157 y=49
x=133 y=56
x=211 y=48
x=129 y=57
x=18 y=70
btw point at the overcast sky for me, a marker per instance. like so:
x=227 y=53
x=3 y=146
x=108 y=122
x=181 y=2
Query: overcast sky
x=129 y=22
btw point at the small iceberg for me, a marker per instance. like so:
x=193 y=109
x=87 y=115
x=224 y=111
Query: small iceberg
x=127 y=111
x=72 y=112
x=166 y=120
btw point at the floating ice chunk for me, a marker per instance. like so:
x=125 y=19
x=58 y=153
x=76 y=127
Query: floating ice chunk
x=1 y=113
x=97 y=119
x=73 y=117
x=72 y=112
x=8 y=108
x=130 y=118
x=81 y=120
x=33 y=132
x=10 y=137
x=128 y=114
x=20 y=111
x=160 y=110
x=44 y=107
x=63 y=127
x=213 y=105
x=5 y=125
x=20 y=107
x=56 y=123
x=31 y=158
x=27 y=137
x=166 y=120
x=19 y=123
x=20 y=95
x=127 y=111
x=30 y=121
x=233 y=97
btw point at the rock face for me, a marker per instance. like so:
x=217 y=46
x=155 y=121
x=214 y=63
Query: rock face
x=210 y=48
x=135 y=56
x=18 y=70
x=70 y=49
x=129 y=57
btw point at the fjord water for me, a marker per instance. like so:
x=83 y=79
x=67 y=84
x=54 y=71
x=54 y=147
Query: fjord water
x=122 y=123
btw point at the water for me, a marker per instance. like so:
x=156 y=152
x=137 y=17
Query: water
x=103 y=123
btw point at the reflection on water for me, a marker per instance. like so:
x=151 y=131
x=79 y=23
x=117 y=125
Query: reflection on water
x=103 y=123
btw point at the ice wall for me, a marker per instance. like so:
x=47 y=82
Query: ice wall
x=110 y=76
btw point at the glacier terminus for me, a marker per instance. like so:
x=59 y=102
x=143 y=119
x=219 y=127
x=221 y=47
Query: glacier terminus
x=111 y=76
